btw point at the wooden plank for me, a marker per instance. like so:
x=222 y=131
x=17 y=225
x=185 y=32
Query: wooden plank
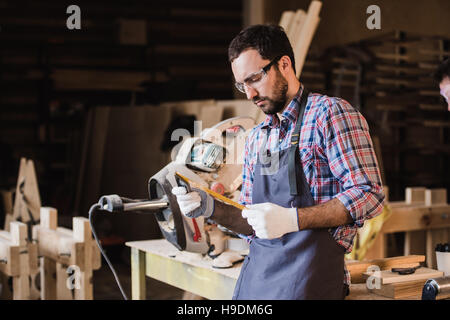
x=417 y=217
x=27 y=177
x=5 y=293
x=401 y=290
x=296 y=26
x=63 y=292
x=415 y=195
x=48 y=279
x=31 y=191
x=435 y=196
x=82 y=233
x=387 y=276
x=18 y=202
x=378 y=154
x=306 y=35
x=10 y=257
x=49 y=218
x=358 y=268
x=21 y=283
x=285 y=20
x=35 y=293
x=53 y=244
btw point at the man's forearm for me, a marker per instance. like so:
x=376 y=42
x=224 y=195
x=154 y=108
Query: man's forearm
x=231 y=218
x=326 y=215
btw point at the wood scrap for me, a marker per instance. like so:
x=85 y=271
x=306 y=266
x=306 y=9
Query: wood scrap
x=415 y=195
x=296 y=26
x=400 y=290
x=286 y=18
x=358 y=268
x=388 y=277
x=305 y=37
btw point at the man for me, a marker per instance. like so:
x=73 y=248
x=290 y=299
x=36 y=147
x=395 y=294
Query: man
x=310 y=178
x=442 y=75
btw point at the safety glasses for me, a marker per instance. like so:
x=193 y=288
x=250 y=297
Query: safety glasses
x=255 y=79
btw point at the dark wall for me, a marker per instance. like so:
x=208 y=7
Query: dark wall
x=344 y=21
x=126 y=53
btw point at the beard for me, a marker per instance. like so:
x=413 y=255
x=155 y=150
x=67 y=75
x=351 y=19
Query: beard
x=278 y=101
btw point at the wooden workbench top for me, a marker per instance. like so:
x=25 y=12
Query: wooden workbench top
x=163 y=248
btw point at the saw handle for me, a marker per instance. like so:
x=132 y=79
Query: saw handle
x=182 y=182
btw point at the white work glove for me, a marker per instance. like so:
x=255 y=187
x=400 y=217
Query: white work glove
x=195 y=203
x=271 y=221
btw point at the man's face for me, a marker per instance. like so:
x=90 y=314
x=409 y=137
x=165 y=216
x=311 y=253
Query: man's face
x=445 y=90
x=269 y=93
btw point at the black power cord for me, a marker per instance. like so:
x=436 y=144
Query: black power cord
x=93 y=209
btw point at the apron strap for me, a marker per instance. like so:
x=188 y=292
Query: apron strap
x=293 y=149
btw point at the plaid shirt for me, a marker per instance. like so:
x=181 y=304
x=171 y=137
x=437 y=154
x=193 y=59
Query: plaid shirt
x=337 y=156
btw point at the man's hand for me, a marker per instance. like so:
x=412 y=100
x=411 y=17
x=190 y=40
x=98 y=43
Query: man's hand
x=270 y=220
x=194 y=204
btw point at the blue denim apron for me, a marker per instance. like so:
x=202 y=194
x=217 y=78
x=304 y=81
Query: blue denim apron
x=308 y=264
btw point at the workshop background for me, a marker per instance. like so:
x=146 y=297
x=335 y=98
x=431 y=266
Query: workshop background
x=91 y=107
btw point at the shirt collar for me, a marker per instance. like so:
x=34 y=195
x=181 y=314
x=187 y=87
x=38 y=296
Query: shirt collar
x=290 y=112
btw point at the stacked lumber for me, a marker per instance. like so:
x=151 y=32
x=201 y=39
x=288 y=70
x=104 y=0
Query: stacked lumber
x=300 y=27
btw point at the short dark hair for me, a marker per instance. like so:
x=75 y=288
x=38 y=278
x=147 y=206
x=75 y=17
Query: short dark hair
x=269 y=40
x=443 y=71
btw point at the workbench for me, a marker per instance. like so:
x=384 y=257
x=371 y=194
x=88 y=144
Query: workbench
x=193 y=272
x=424 y=226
